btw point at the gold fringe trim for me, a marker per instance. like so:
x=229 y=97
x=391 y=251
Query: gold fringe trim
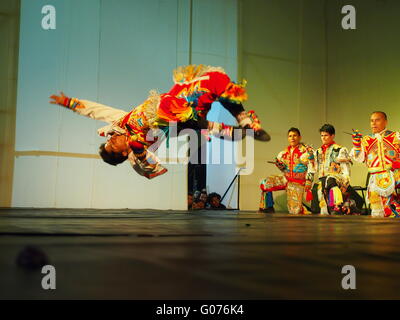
x=150 y=108
x=192 y=71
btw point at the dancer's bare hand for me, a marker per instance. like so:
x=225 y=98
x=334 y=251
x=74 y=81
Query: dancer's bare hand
x=58 y=99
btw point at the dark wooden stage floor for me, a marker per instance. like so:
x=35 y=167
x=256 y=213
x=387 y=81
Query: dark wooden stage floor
x=125 y=254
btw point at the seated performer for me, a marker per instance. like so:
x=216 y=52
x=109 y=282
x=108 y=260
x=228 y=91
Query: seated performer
x=296 y=163
x=187 y=104
x=380 y=151
x=332 y=163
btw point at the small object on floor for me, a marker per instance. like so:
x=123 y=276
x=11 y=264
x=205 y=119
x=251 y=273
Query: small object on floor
x=32 y=258
x=248 y=224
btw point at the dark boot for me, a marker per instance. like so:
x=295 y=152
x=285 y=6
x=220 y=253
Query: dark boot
x=250 y=120
x=267 y=210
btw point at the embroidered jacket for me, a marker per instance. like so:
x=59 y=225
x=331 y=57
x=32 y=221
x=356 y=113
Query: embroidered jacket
x=297 y=167
x=196 y=88
x=380 y=152
x=333 y=160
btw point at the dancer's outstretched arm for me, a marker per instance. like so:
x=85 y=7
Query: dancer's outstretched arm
x=88 y=108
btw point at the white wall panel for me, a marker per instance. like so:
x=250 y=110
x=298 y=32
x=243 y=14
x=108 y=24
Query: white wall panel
x=35 y=182
x=113 y=52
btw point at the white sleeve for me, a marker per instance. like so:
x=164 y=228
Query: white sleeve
x=99 y=111
x=311 y=167
x=314 y=163
x=345 y=161
x=345 y=168
x=343 y=155
x=279 y=156
x=358 y=156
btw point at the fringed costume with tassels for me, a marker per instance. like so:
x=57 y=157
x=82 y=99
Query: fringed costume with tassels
x=189 y=100
x=296 y=163
x=195 y=89
x=381 y=153
x=333 y=164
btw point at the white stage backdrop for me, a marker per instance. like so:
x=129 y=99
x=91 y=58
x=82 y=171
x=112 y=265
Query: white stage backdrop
x=113 y=52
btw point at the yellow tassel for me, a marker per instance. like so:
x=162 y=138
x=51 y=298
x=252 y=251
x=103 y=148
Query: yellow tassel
x=337 y=195
x=188 y=73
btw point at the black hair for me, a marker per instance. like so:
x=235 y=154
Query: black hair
x=293 y=129
x=196 y=195
x=381 y=112
x=111 y=157
x=327 y=128
x=214 y=195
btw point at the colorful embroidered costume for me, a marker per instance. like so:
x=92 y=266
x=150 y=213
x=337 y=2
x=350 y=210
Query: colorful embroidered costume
x=296 y=163
x=195 y=89
x=333 y=167
x=187 y=103
x=381 y=153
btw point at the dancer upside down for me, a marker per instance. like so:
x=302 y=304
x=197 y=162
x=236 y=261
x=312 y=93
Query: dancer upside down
x=187 y=104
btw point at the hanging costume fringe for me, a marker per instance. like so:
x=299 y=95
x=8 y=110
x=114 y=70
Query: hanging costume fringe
x=172 y=109
x=335 y=197
x=383 y=183
x=235 y=93
x=309 y=196
x=188 y=73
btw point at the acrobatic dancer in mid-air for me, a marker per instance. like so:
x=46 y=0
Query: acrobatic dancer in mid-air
x=187 y=104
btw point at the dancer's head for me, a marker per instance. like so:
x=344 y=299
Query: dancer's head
x=327 y=132
x=203 y=195
x=378 y=121
x=214 y=199
x=115 y=151
x=294 y=137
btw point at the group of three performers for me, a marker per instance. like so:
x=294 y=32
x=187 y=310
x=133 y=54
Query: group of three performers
x=186 y=105
x=331 y=163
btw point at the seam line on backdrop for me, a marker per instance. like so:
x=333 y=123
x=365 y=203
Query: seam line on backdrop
x=97 y=156
x=300 y=69
x=326 y=63
x=65 y=83
x=190 y=30
x=177 y=33
x=39 y=153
